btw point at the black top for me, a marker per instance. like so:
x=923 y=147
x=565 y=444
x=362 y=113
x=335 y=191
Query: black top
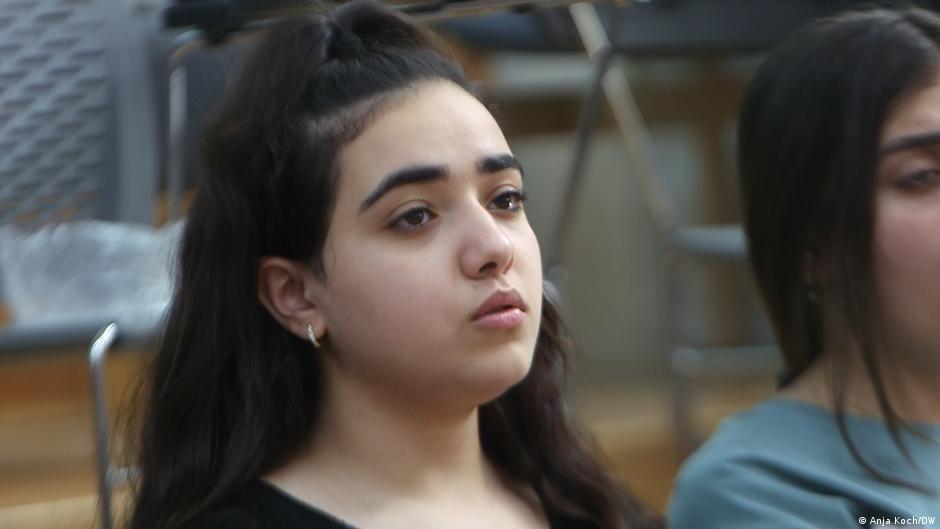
x=263 y=506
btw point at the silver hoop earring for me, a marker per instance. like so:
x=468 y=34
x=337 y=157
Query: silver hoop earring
x=312 y=336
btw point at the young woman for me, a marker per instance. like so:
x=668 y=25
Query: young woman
x=359 y=335
x=839 y=151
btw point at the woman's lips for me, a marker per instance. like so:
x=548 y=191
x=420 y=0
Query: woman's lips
x=503 y=319
x=503 y=309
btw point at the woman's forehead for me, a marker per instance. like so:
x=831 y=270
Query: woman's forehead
x=917 y=113
x=438 y=123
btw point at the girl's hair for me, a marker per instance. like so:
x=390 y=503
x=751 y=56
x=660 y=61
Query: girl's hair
x=232 y=394
x=808 y=143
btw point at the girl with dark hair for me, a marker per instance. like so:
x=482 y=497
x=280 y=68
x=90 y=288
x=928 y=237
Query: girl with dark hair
x=839 y=158
x=359 y=335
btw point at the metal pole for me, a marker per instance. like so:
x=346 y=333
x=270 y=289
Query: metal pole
x=636 y=137
x=97 y=354
x=586 y=120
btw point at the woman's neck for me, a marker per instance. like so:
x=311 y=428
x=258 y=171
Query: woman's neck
x=914 y=394
x=377 y=457
x=408 y=446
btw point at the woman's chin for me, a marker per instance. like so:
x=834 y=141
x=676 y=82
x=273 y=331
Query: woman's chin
x=499 y=375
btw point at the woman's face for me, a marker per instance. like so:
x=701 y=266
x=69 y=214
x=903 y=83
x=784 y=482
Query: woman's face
x=907 y=227
x=428 y=226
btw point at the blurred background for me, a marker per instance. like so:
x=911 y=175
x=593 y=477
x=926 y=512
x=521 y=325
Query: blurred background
x=623 y=114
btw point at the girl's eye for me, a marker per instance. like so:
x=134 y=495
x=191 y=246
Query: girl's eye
x=413 y=219
x=510 y=201
x=920 y=180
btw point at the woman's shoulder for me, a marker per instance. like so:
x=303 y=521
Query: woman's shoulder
x=782 y=463
x=745 y=471
x=722 y=483
x=259 y=505
x=775 y=428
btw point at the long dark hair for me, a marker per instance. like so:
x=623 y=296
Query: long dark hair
x=232 y=394
x=808 y=150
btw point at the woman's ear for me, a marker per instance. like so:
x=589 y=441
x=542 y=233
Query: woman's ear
x=285 y=289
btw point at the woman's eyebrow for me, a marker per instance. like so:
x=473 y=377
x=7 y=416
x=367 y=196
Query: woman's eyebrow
x=913 y=141
x=405 y=176
x=499 y=162
x=428 y=173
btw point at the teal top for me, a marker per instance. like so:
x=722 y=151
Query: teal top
x=784 y=465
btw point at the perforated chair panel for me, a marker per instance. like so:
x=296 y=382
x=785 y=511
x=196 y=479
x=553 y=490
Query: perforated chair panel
x=55 y=116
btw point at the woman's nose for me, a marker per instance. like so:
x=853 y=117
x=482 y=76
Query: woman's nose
x=486 y=249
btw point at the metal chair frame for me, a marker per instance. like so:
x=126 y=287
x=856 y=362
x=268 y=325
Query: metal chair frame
x=681 y=244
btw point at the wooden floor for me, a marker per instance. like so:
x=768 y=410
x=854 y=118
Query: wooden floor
x=47 y=473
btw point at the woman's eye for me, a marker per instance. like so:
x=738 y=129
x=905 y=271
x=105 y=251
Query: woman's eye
x=413 y=219
x=510 y=201
x=920 y=180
